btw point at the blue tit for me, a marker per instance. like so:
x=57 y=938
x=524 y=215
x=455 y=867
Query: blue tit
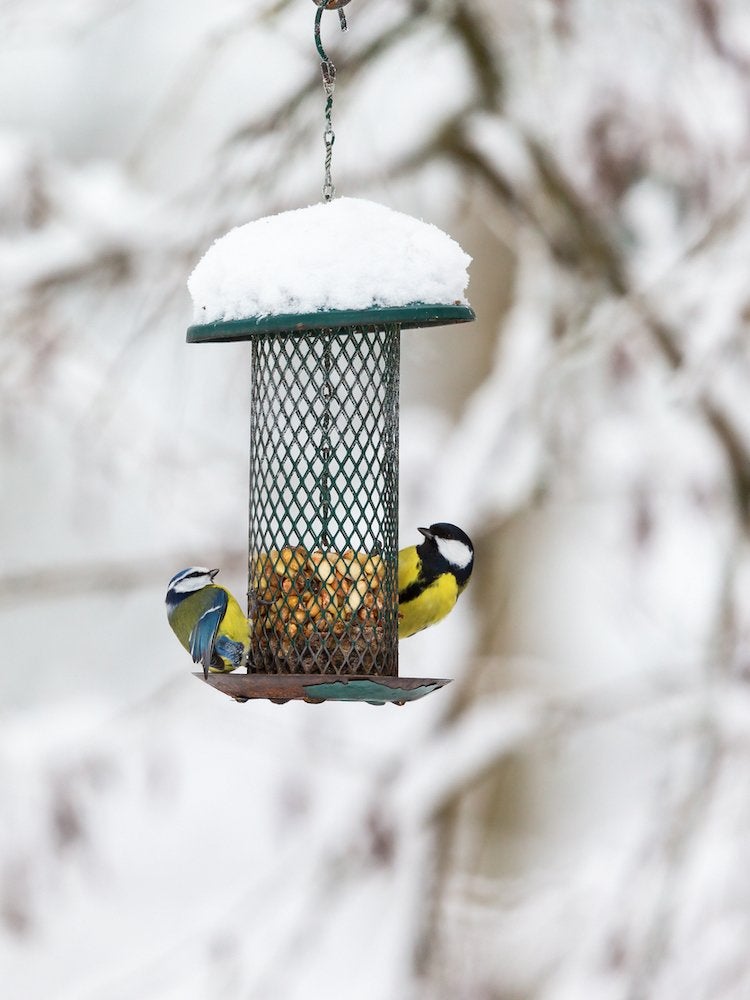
x=431 y=576
x=207 y=620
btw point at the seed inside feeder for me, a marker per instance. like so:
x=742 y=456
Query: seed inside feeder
x=318 y=611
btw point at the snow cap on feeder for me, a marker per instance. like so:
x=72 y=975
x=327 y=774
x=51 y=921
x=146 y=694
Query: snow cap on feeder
x=345 y=261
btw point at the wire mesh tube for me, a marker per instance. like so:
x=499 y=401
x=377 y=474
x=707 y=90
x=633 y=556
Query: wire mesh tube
x=323 y=563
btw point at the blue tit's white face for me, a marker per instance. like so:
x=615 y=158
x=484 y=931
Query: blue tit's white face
x=187 y=581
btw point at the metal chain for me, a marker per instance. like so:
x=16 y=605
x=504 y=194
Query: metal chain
x=328 y=71
x=325 y=451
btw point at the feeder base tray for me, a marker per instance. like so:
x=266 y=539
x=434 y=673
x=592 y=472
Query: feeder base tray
x=316 y=688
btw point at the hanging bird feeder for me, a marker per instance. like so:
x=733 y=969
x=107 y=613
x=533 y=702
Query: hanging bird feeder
x=323 y=294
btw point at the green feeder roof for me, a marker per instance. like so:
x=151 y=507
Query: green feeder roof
x=417 y=314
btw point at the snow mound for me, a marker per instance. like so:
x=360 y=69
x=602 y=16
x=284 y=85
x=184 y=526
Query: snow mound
x=346 y=254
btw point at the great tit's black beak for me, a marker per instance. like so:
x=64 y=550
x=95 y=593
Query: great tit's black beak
x=426 y=532
x=212 y=573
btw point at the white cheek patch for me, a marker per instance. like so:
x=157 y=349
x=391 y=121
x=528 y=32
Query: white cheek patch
x=189 y=583
x=454 y=552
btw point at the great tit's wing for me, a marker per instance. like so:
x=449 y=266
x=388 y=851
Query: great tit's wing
x=203 y=635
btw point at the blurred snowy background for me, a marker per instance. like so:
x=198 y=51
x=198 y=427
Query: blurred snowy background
x=571 y=817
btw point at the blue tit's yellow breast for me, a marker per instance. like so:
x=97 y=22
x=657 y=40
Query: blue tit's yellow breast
x=234 y=624
x=430 y=605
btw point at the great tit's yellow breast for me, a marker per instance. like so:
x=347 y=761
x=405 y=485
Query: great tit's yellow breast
x=429 y=606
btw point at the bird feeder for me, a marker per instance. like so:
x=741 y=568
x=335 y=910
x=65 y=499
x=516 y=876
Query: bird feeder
x=322 y=295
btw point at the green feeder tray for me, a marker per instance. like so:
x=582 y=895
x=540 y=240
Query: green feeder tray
x=316 y=689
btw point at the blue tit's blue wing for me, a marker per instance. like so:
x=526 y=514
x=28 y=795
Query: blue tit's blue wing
x=203 y=635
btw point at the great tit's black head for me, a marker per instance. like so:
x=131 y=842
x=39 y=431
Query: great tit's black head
x=187 y=581
x=447 y=547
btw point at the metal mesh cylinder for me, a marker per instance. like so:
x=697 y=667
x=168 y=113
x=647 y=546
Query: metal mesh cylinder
x=323 y=556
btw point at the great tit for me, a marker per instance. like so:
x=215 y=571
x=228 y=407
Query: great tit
x=431 y=576
x=207 y=620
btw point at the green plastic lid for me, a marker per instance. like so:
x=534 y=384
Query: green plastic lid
x=415 y=315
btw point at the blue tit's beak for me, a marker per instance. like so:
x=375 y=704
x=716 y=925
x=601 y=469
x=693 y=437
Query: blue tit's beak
x=212 y=573
x=205 y=671
x=427 y=533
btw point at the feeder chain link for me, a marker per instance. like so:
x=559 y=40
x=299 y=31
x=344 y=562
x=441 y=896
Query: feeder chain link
x=325 y=479
x=328 y=72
